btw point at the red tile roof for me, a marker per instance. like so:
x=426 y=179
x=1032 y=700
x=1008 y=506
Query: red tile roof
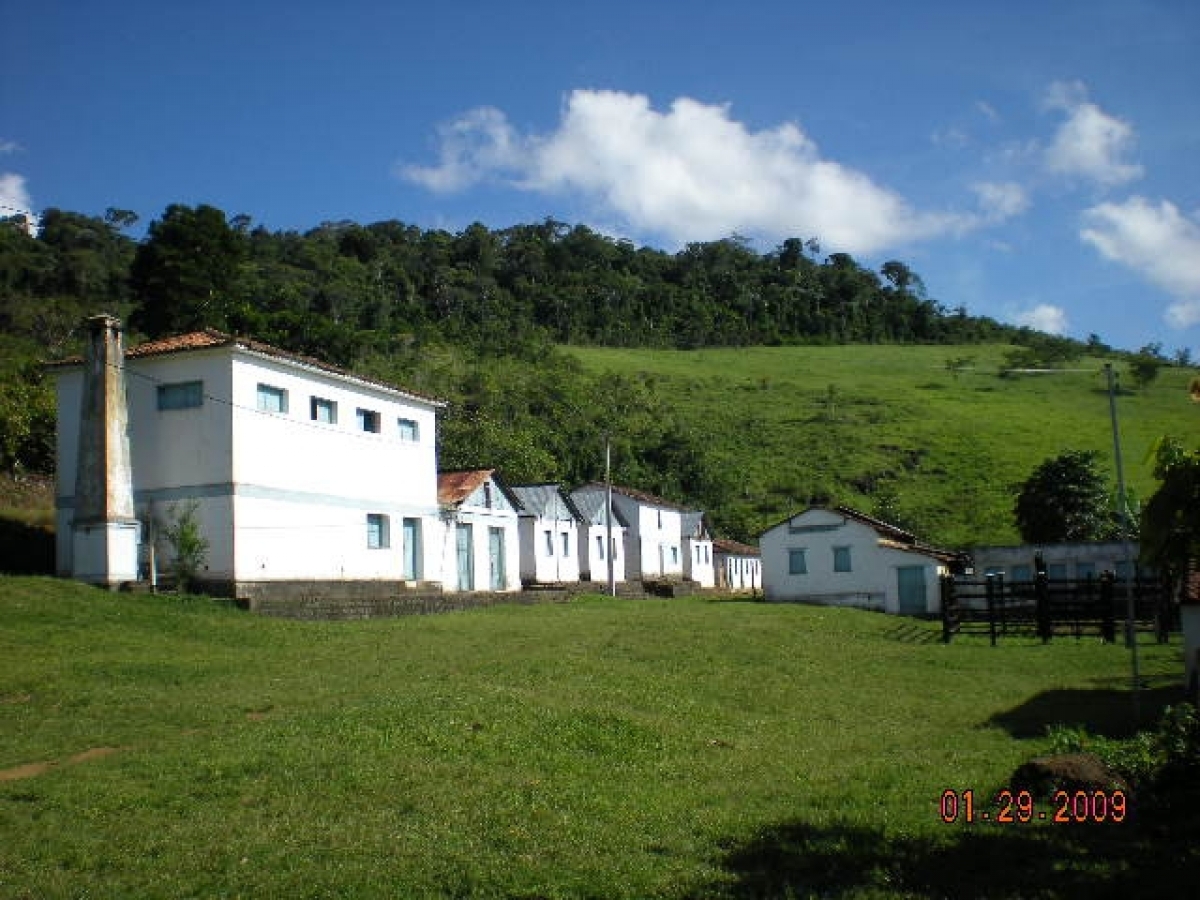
x=734 y=548
x=455 y=487
x=210 y=338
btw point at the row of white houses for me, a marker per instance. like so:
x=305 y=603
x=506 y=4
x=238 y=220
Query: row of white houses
x=297 y=471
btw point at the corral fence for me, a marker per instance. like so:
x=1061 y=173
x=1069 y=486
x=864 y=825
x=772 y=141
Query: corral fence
x=1050 y=607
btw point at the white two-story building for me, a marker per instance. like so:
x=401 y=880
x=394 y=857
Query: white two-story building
x=296 y=470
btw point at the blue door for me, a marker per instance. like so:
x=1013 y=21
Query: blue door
x=911 y=584
x=465 y=545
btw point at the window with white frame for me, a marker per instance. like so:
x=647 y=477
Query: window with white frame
x=378 y=537
x=549 y=536
x=272 y=399
x=600 y=546
x=181 y=395
x=566 y=543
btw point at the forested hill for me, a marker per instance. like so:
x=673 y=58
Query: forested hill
x=474 y=317
x=342 y=287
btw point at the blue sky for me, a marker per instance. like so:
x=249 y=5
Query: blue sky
x=1036 y=162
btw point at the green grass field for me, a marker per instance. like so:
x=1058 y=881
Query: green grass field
x=853 y=420
x=177 y=747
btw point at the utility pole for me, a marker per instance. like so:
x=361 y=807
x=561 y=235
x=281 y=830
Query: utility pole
x=612 y=575
x=1130 y=611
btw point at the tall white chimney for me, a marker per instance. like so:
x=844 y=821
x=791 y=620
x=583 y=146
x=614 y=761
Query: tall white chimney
x=105 y=530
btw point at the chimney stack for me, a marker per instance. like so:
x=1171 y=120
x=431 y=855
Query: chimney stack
x=105 y=530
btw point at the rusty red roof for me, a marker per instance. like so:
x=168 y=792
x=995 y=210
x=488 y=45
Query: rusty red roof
x=455 y=487
x=734 y=548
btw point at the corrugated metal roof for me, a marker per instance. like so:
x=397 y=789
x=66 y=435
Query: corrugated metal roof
x=589 y=500
x=546 y=501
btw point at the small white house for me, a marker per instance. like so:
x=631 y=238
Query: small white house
x=296 y=470
x=738 y=566
x=838 y=556
x=653 y=536
x=596 y=547
x=698 y=564
x=550 y=533
x=480 y=546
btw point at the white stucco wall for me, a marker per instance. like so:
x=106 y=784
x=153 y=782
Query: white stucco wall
x=593 y=538
x=549 y=563
x=873 y=579
x=279 y=496
x=653 y=541
x=474 y=511
x=698 y=561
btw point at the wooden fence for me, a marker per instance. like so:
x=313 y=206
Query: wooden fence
x=1047 y=607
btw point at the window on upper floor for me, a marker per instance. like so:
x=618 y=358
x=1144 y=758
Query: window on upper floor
x=322 y=410
x=181 y=395
x=409 y=429
x=841 y=559
x=272 y=399
x=797 y=564
x=368 y=420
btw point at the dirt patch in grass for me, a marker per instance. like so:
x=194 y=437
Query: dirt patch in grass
x=32 y=770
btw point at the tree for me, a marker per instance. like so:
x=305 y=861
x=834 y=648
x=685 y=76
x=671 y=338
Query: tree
x=185 y=273
x=1171 y=517
x=189 y=547
x=1065 y=499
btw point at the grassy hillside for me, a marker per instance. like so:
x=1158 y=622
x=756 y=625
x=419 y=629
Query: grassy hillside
x=855 y=422
x=167 y=747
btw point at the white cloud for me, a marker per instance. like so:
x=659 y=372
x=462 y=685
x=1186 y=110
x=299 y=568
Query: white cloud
x=472 y=146
x=14 y=197
x=7 y=146
x=1090 y=143
x=689 y=173
x=1157 y=242
x=1044 y=317
x=1001 y=200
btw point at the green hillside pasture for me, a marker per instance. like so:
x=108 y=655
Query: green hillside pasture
x=163 y=747
x=854 y=421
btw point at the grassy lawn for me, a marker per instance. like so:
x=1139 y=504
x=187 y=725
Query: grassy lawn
x=852 y=420
x=170 y=747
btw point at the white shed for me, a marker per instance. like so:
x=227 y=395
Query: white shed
x=595 y=547
x=841 y=557
x=738 y=566
x=549 y=533
x=480 y=546
x=698 y=563
x=653 y=536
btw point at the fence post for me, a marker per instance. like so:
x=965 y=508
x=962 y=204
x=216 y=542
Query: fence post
x=1108 y=625
x=947 y=587
x=990 y=593
x=1045 y=625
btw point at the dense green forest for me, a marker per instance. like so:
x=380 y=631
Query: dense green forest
x=476 y=317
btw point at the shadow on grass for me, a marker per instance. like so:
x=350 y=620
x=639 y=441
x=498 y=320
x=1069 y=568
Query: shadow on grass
x=25 y=549
x=1106 y=711
x=908 y=632
x=797 y=859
